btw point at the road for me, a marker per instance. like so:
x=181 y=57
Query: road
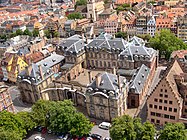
x=18 y=104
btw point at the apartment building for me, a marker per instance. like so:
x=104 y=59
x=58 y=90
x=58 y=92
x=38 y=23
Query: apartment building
x=151 y=26
x=106 y=96
x=141 y=24
x=5 y=100
x=182 y=28
x=167 y=102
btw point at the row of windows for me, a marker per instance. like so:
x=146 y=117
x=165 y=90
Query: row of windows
x=163 y=108
x=163 y=115
x=163 y=101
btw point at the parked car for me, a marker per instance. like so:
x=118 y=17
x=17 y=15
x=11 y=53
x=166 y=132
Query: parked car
x=96 y=136
x=60 y=135
x=66 y=137
x=39 y=138
x=105 y=125
x=107 y=138
x=89 y=138
x=49 y=131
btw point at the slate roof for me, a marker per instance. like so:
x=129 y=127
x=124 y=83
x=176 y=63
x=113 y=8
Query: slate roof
x=34 y=76
x=23 y=50
x=108 y=82
x=137 y=41
x=138 y=80
x=51 y=60
x=72 y=45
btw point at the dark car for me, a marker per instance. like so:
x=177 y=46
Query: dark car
x=96 y=136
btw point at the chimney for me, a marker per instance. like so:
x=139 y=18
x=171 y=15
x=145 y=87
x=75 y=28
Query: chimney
x=114 y=70
x=41 y=72
x=28 y=70
x=98 y=79
x=18 y=68
x=90 y=76
x=119 y=83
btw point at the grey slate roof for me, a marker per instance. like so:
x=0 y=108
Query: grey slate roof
x=72 y=45
x=136 y=41
x=138 y=80
x=23 y=50
x=109 y=82
x=51 y=60
x=34 y=76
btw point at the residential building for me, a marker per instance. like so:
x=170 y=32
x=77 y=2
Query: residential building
x=106 y=96
x=32 y=80
x=162 y=23
x=166 y=103
x=119 y=2
x=5 y=99
x=182 y=28
x=69 y=27
x=151 y=26
x=141 y=24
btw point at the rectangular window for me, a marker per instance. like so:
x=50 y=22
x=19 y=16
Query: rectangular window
x=165 y=101
x=175 y=110
x=161 y=95
x=155 y=106
x=166 y=116
x=161 y=90
x=170 y=109
x=172 y=117
x=185 y=110
x=152 y=120
x=166 y=96
x=156 y=100
x=185 y=103
x=160 y=107
x=158 y=121
x=165 y=90
x=170 y=102
x=160 y=100
x=158 y=114
x=165 y=108
x=150 y=105
x=152 y=113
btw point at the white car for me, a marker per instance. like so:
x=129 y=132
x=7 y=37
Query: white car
x=39 y=138
x=105 y=125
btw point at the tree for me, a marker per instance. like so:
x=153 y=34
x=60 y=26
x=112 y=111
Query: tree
x=56 y=34
x=74 y=16
x=35 y=32
x=27 y=32
x=9 y=135
x=47 y=33
x=27 y=119
x=122 y=128
x=40 y=110
x=126 y=5
x=19 y=32
x=175 y=131
x=126 y=128
x=81 y=2
x=81 y=125
x=11 y=122
x=121 y=35
x=166 y=42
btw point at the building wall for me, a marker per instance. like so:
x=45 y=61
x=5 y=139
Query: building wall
x=163 y=107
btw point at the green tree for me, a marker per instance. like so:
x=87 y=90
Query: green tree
x=175 y=131
x=19 y=32
x=120 y=8
x=74 y=16
x=40 y=110
x=9 y=135
x=81 y=125
x=121 y=35
x=125 y=5
x=11 y=122
x=81 y=2
x=35 y=33
x=122 y=128
x=56 y=34
x=12 y=35
x=27 y=32
x=27 y=119
x=47 y=33
x=148 y=132
x=3 y=37
x=166 y=42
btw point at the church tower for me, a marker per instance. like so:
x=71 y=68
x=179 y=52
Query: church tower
x=91 y=10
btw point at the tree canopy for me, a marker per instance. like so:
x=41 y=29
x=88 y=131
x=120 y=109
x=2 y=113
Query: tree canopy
x=9 y=135
x=19 y=32
x=166 y=42
x=175 y=131
x=35 y=32
x=121 y=35
x=27 y=32
x=81 y=2
x=74 y=16
x=126 y=128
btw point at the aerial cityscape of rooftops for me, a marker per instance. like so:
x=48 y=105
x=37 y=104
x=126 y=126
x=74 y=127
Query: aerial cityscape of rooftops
x=93 y=69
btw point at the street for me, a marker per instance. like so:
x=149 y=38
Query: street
x=18 y=104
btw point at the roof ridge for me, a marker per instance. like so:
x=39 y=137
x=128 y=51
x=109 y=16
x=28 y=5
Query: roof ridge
x=110 y=80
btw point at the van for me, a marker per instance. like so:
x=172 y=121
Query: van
x=104 y=125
